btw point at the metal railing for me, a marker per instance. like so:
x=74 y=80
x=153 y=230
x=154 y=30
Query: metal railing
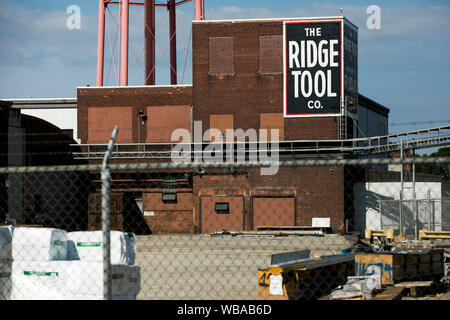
x=418 y=139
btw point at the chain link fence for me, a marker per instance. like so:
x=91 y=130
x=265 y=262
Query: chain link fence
x=151 y=231
x=404 y=215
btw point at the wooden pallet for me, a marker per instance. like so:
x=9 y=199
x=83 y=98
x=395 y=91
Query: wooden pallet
x=390 y=293
x=425 y=234
x=412 y=285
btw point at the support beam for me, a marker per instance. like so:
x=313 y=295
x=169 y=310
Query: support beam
x=149 y=42
x=173 y=41
x=124 y=44
x=199 y=10
x=101 y=42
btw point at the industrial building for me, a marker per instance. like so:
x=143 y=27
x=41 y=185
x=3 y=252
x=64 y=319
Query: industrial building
x=291 y=81
x=237 y=84
x=26 y=140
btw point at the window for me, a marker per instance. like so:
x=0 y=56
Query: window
x=271 y=121
x=221 y=122
x=271 y=54
x=163 y=120
x=221 y=56
x=101 y=122
x=169 y=197
x=222 y=208
x=169 y=190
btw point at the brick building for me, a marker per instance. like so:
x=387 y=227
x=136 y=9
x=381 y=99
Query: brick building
x=237 y=84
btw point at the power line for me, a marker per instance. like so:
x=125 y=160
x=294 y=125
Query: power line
x=420 y=122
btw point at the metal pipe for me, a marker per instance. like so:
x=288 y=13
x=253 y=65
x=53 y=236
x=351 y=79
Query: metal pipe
x=416 y=211
x=119 y=46
x=430 y=212
x=199 y=10
x=149 y=42
x=173 y=41
x=101 y=42
x=106 y=217
x=401 y=187
x=124 y=44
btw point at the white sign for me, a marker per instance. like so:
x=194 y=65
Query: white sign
x=321 y=222
x=149 y=213
x=276 y=285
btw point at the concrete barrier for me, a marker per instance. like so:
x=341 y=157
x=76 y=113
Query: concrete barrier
x=194 y=267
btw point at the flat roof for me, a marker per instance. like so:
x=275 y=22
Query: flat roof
x=137 y=87
x=370 y=104
x=273 y=20
x=43 y=103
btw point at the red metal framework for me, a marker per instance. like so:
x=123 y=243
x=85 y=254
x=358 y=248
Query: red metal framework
x=149 y=20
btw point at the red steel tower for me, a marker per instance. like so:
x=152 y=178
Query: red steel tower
x=149 y=9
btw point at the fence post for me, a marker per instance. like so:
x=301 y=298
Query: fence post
x=381 y=214
x=415 y=207
x=401 y=187
x=430 y=212
x=106 y=217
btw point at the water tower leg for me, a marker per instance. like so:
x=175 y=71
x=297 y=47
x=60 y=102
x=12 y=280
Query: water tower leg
x=173 y=41
x=149 y=42
x=101 y=42
x=124 y=44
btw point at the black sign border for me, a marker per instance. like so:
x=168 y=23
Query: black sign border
x=310 y=115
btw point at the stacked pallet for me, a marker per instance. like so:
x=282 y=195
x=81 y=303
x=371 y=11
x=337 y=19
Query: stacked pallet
x=52 y=264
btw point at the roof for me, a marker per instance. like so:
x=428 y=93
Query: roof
x=137 y=87
x=274 y=20
x=372 y=105
x=43 y=103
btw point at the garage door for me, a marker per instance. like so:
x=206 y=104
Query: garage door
x=273 y=211
x=221 y=213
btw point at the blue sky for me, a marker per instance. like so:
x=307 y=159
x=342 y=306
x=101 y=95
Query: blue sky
x=405 y=65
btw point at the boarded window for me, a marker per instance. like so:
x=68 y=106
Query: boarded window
x=162 y=121
x=221 y=122
x=101 y=122
x=221 y=56
x=274 y=212
x=271 y=121
x=270 y=54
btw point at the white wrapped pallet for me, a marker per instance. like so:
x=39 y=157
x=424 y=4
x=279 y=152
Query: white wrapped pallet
x=6 y=233
x=39 y=280
x=5 y=279
x=39 y=244
x=66 y=280
x=131 y=283
x=88 y=246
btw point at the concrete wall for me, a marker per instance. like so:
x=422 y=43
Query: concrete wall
x=65 y=119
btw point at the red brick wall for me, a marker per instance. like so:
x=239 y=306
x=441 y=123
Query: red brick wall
x=168 y=217
x=247 y=93
x=115 y=99
x=318 y=191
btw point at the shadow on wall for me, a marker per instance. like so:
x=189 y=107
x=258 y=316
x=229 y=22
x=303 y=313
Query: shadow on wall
x=133 y=219
x=388 y=215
